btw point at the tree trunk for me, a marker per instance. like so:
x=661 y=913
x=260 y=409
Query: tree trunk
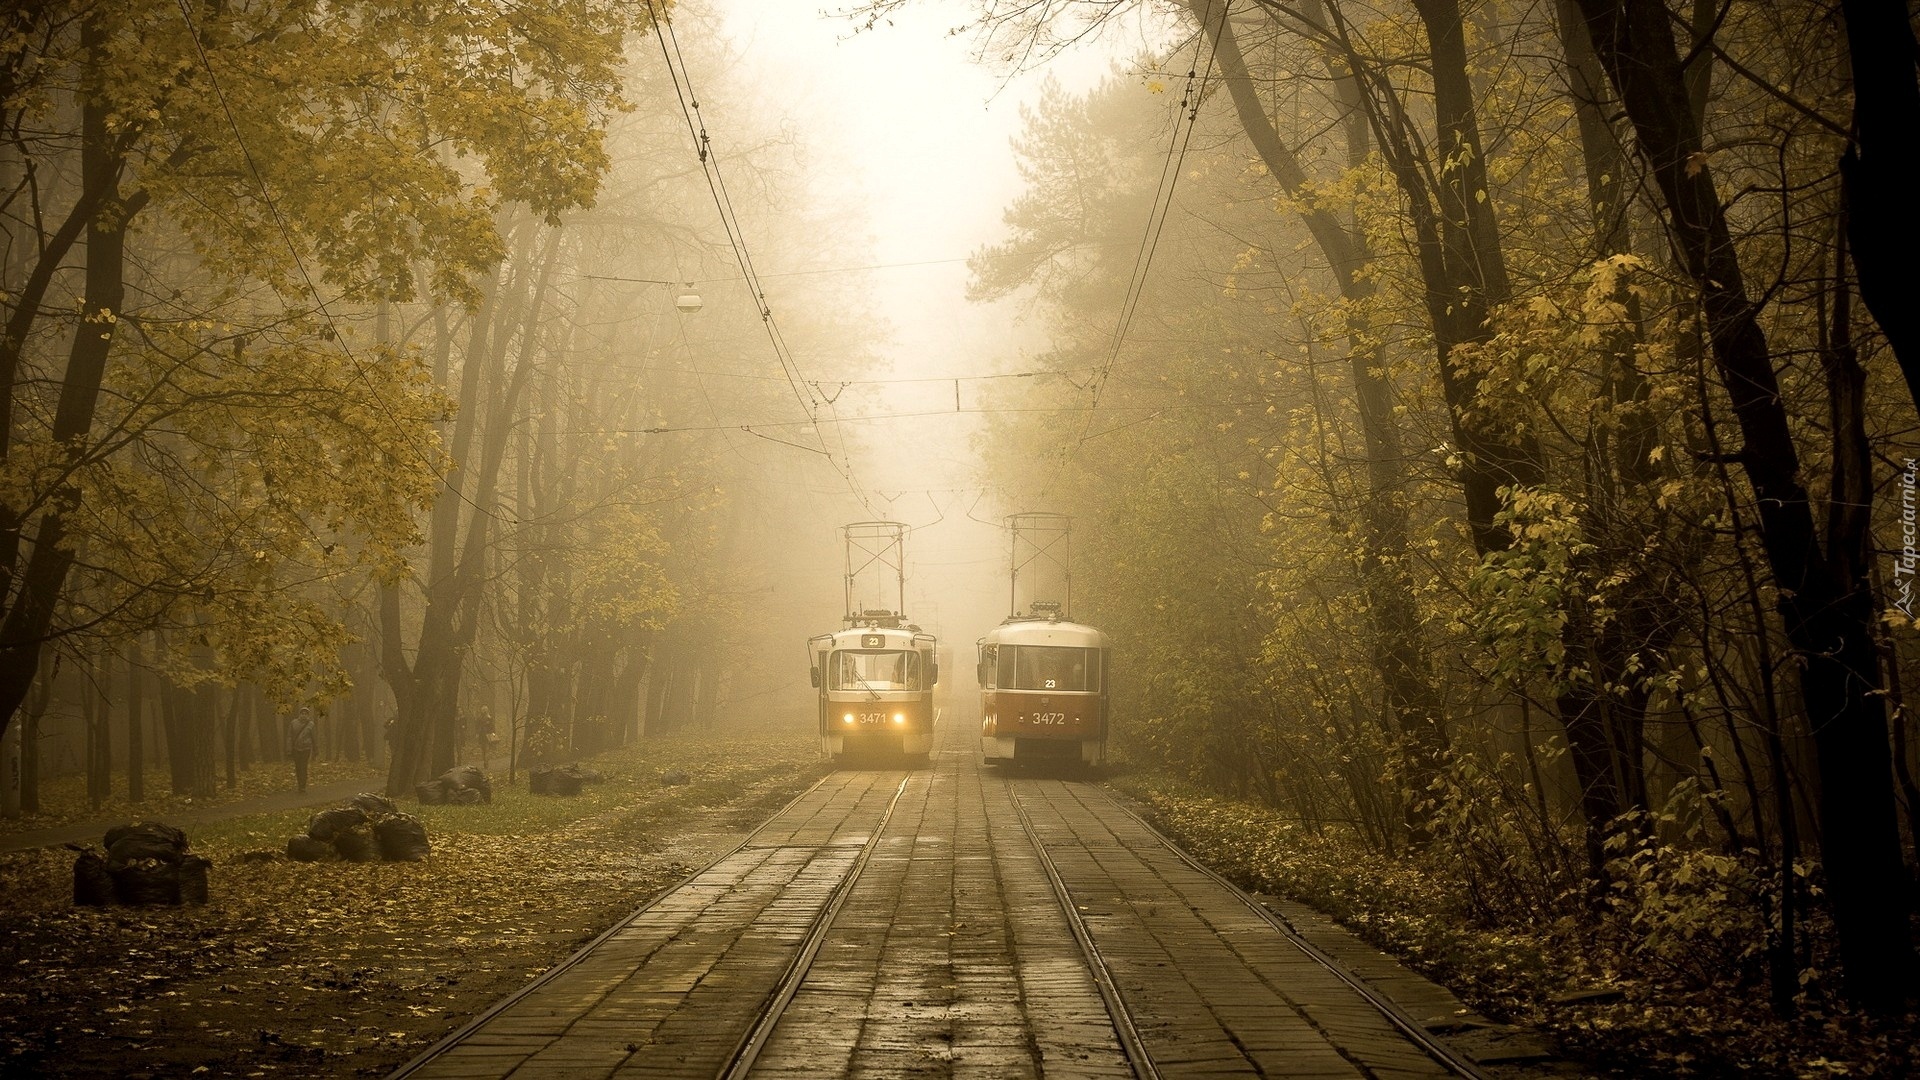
x=1824 y=595
x=29 y=616
x=178 y=753
x=1884 y=222
x=1411 y=704
x=136 y=723
x=230 y=736
x=97 y=709
x=37 y=703
x=429 y=719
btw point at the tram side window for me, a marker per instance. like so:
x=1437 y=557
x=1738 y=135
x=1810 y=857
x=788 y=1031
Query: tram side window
x=1050 y=667
x=876 y=670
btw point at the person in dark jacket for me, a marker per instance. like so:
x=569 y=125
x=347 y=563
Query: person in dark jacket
x=300 y=743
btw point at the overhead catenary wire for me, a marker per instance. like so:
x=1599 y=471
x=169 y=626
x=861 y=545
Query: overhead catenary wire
x=689 y=102
x=1181 y=136
x=864 y=267
x=754 y=428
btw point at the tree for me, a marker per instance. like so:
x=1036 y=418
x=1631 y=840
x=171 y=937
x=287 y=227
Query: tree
x=1411 y=704
x=259 y=171
x=1825 y=596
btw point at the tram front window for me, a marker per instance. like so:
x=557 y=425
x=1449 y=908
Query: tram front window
x=1051 y=667
x=876 y=671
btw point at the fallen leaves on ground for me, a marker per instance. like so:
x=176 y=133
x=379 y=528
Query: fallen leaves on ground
x=327 y=969
x=1650 y=1028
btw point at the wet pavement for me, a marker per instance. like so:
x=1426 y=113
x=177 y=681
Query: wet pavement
x=950 y=921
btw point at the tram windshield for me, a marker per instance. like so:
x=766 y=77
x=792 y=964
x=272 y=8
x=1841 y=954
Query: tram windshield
x=875 y=670
x=1049 y=667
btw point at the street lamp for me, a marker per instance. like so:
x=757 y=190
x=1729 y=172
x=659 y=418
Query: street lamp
x=687 y=300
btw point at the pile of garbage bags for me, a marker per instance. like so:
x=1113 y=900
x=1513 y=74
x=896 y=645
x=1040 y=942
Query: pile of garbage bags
x=367 y=828
x=560 y=779
x=147 y=863
x=460 y=785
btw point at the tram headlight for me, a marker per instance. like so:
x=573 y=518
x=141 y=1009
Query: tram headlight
x=899 y=718
x=848 y=718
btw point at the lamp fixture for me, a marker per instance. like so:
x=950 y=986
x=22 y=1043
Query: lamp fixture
x=686 y=300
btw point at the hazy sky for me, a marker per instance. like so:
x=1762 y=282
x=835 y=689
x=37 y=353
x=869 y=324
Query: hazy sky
x=901 y=122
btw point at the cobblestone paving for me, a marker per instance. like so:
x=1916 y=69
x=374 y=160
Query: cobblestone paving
x=671 y=992
x=1213 y=989
x=950 y=958
x=948 y=954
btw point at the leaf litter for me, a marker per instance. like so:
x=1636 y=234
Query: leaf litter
x=338 y=969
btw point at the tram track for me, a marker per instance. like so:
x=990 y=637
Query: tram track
x=740 y=1062
x=1409 y=1028
x=552 y=974
x=435 y=1060
x=1414 y=1031
x=1131 y=1044
x=885 y=924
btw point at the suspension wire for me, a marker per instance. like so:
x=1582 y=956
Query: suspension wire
x=682 y=78
x=1185 y=120
x=319 y=301
x=1151 y=411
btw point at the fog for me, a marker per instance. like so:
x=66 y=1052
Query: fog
x=899 y=137
x=1464 y=457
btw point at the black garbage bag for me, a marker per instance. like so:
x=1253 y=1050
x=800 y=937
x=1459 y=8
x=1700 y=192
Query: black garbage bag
x=192 y=873
x=356 y=844
x=146 y=882
x=430 y=793
x=327 y=823
x=146 y=840
x=92 y=884
x=375 y=806
x=401 y=838
x=565 y=781
x=307 y=849
x=466 y=778
x=157 y=831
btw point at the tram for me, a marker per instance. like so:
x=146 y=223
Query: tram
x=874 y=677
x=875 y=681
x=1043 y=677
x=1043 y=691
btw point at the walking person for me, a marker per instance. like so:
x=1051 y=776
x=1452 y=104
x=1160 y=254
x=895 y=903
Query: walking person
x=484 y=732
x=300 y=741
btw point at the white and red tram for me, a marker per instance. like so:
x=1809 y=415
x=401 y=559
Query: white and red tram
x=1043 y=691
x=875 y=681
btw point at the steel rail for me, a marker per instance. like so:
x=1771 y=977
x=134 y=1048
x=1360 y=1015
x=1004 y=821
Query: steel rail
x=460 y=1034
x=1394 y=1014
x=740 y=1062
x=1130 y=1041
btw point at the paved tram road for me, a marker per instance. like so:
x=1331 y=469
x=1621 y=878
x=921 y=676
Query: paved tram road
x=893 y=923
